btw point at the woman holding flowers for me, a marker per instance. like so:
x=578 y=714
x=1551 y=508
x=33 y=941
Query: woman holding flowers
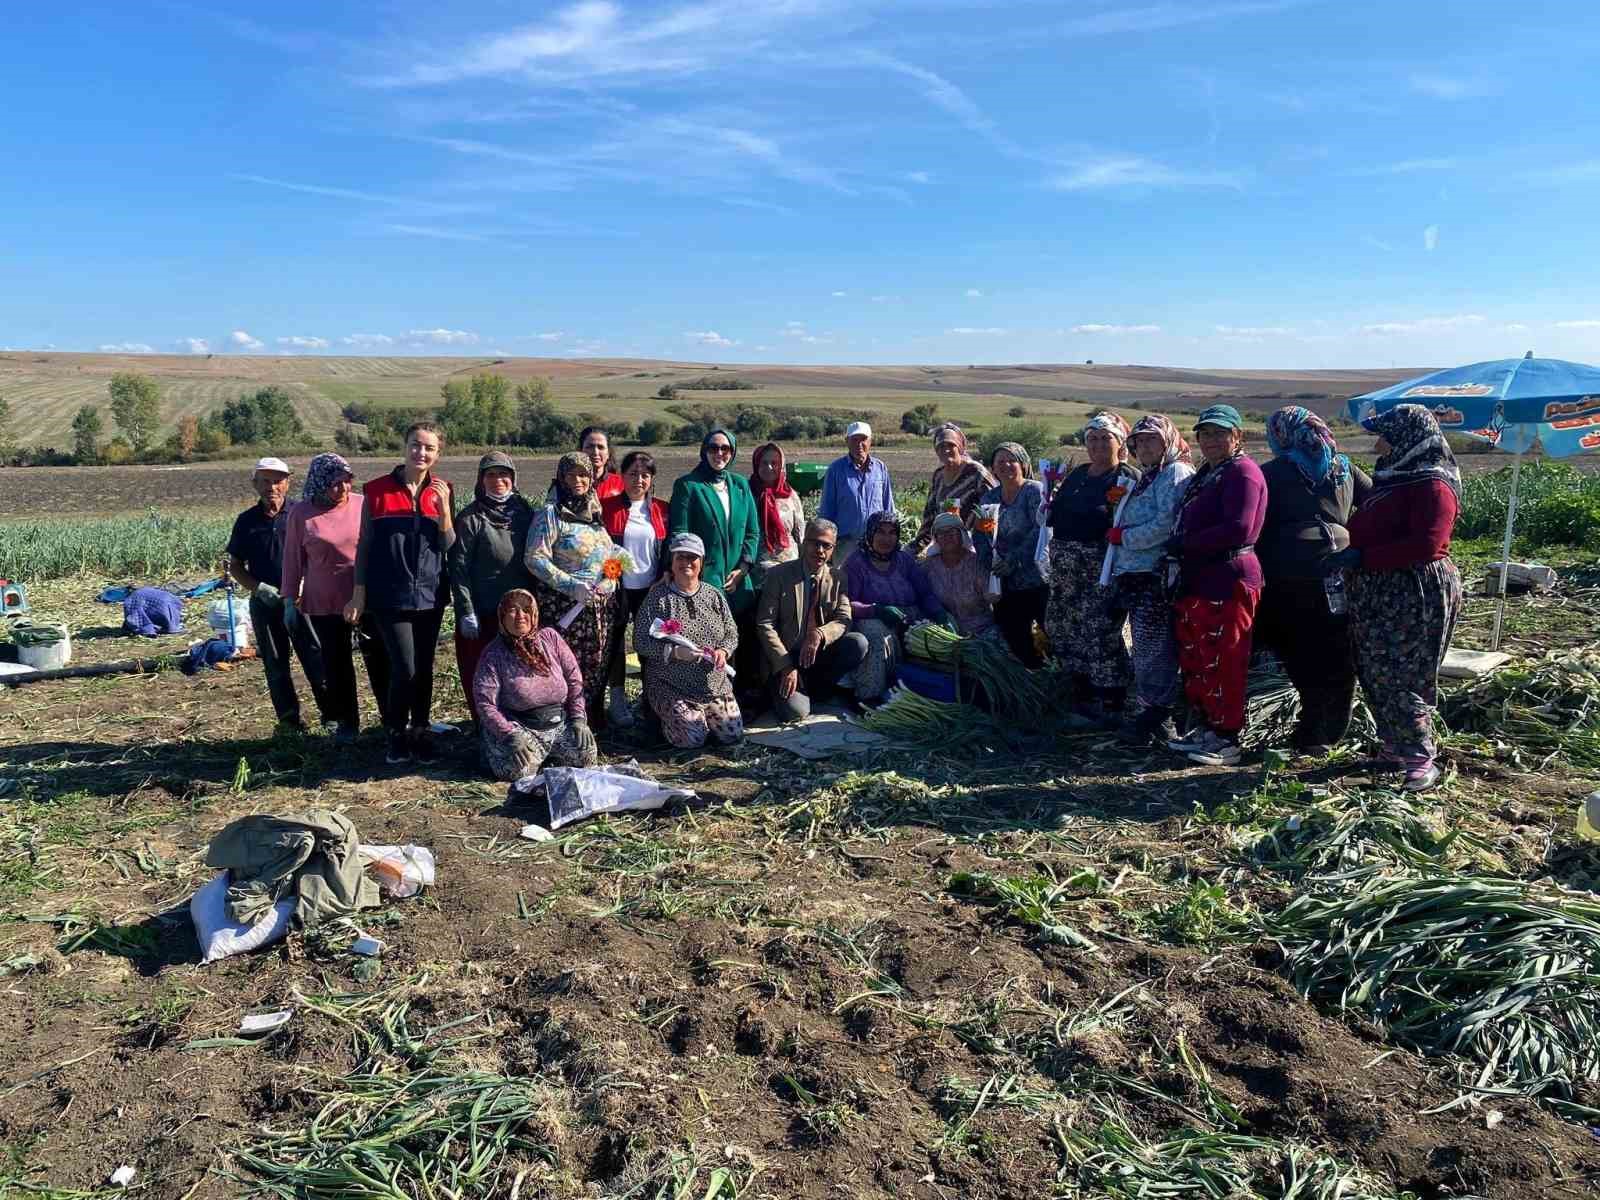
x=887 y=594
x=684 y=634
x=1138 y=547
x=637 y=522
x=576 y=566
x=1214 y=541
x=1083 y=620
x=1405 y=593
x=958 y=483
x=1006 y=534
x=528 y=694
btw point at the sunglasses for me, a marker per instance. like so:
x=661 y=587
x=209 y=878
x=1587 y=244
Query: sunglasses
x=715 y=449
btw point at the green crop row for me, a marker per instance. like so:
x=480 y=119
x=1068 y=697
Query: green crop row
x=150 y=549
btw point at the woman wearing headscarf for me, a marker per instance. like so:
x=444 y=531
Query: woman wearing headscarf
x=1405 y=593
x=1083 y=620
x=781 y=514
x=402 y=586
x=1219 y=522
x=1138 y=545
x=1311 y=490
x=956 y=579
x=958 y=482
x=637 y=522
x=528 y=693
x=486 y=560
x=887 y=595
x=688 y=687
x=1006 y=545
x=567 y=555
x=321 y=534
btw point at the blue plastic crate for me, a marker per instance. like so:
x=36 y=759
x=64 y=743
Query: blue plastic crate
x=928 y=681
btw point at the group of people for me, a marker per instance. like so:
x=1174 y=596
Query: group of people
x=1144 y=574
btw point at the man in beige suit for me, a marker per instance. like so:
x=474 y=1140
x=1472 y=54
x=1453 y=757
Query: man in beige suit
x=802 y=624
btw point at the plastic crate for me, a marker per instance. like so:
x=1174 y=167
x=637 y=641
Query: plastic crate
x=806 y=477
x=929 y=681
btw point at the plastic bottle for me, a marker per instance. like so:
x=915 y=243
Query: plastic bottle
x=1333 y=585
x=1589 y=820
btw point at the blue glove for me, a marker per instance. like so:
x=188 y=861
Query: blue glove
x=892 y=615
x=291 y=614
x=467 y=627
x=1342 y=560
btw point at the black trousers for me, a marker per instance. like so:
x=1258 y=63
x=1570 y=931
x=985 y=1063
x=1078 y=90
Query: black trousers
x=617 y=668
x=1315 y=649
x=1015 y=614
x=330 y=657
x=834 y=660
x=410 y=640
x=275 y=642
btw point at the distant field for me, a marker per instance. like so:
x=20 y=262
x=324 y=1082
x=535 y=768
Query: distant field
x=46 y=389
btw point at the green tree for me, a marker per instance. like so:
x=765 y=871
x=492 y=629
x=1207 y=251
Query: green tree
x=538 y=422
x=653 y=431
x=136 y=405
x=920 y=420
x=86 y=430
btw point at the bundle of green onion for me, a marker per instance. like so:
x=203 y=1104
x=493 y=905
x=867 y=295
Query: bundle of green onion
x=908 y=716
x=1012 y=691
x=1550 y=707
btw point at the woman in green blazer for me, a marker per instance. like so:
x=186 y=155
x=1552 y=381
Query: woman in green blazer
x=715 y=505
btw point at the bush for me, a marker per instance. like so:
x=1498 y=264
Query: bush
x=1556 y=505
x=116 y=452
x=652 y=432
x=1033 y=436
x=1016 y=412
x=265 y=416
x=755 y=423
x=212 y=440
x=920 y=420
x=619 y=431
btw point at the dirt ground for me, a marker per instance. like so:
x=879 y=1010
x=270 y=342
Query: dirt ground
x=775 y=985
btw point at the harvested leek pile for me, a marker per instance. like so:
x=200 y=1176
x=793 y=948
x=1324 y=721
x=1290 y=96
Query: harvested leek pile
x=1011 y=690
x=1272 y=707
x=907 y=716
x=1494 y=970
x=1357 y=829
x=1549 y=707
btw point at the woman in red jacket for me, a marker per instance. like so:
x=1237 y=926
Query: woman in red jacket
x=1405 y=593
x=637 y=522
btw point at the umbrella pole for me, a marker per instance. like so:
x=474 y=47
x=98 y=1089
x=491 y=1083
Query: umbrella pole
x=1505 y=551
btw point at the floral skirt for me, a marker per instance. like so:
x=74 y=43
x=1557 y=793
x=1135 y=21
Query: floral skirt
x=591 y=635
x=1083 y=619
x=526 y=750
x=1402 y=622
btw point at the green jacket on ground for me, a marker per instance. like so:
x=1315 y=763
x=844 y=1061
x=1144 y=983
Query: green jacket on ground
x=311 y=856
x=732 y=540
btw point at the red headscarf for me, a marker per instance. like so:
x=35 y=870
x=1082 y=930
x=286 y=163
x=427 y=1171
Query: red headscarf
x=773 y=535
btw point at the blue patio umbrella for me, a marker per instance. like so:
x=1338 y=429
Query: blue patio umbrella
x=1510 y=403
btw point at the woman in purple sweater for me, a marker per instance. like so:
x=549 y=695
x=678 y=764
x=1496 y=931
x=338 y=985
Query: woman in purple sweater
x=887 y=594
x=1219 y=519
x=529 y=695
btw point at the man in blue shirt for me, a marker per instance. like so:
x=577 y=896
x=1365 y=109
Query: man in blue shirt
x=855 y=487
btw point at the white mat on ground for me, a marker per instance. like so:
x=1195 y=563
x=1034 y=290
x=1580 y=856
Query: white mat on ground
x=826 y=732
x=1472 y=664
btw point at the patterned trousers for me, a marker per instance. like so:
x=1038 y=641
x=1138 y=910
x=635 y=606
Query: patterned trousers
x=526 y=750
x=1214 y=652
x=1402 y=622
x=1143 y=596
x=687 y=724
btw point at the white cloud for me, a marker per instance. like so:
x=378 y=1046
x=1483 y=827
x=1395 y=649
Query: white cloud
x=194 y=345
x=1430 y=238
x=1423 y=325
x=367 y=341
x=1115 y=329
x=443 y=337
x=1578 y=172
x=1583 y=324
x=985 y=331
x=1519 y=327
x=840 y=295
x=300 y=342
x=1408 y=166
x=127 y=348
x=1132 y=171
x=974 y=294
x=341 y=193
x=710 y=337
x=918 y=177
x=1377 y=244
x=240 y=340
x=1252 y=333
x=553 y=336
x=1446 y=87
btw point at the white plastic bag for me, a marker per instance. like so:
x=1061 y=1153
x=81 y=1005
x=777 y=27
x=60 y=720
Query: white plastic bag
x=578 y=792
x=219 y=936
x=401 y=871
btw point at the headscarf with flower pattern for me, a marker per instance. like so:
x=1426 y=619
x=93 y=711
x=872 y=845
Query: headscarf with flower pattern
x=580 y=510
x=1304 y=438
x=325 y=471
x=1417 y=449
x=526 y=648
x=1174 y=448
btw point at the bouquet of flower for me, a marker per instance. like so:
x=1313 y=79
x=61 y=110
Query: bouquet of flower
x=952 y=505
x=671 y=630
x=617 y=564
x=988 y=519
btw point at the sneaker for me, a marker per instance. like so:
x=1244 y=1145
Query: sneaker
x=1218 y=752
x=399 y=749
x=1421 y=778
x=619 y=713
x=1197 y=738
x=421 y=743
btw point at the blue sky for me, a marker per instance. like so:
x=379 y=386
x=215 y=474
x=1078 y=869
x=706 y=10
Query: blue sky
x=1243 y=183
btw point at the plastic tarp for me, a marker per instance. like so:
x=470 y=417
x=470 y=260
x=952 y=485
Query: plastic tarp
x=578 y=792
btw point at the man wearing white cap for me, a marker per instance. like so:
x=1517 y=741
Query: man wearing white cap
x=255 y=560
x=856 y=486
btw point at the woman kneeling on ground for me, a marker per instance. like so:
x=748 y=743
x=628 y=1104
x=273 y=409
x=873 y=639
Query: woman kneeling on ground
x=1139 y=542
x=689 y=689
x=529 y=696
x=887 y=594
x=1405 y=593
x=1219 y=521
x=956 y=579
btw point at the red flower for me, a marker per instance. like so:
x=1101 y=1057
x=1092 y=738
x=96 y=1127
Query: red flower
x=1115 y=493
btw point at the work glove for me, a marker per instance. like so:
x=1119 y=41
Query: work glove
x=1342 y=560
x=949 y=622
x=291 y=614
x=584 y=737
x=1114 y=536
x=467 y=627
x=892 y=615
x=268 y=595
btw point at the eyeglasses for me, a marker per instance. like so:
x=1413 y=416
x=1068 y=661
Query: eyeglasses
x=716 y=449
x=825 y=547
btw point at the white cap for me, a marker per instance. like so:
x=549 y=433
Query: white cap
x=273 y=464
x=858 y=429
